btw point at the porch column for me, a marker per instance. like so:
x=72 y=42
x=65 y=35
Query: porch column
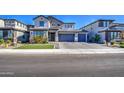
x=86 y=37
x=122 y=35
x=47 y=36
x=56 y=36
x=76 y=37
x=14 y=37
x=31 y=36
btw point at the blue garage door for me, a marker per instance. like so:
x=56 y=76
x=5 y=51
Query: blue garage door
x=66 y=37
x=81 y=38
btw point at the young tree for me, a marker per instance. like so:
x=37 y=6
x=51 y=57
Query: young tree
x=97 y=38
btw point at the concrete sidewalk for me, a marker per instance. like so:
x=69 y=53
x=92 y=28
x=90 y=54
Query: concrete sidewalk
x=60 y=51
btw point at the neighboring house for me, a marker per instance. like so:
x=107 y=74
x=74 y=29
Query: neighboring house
x=56 y=30
x=14 y=29
x=96 y=26
x=107 y=29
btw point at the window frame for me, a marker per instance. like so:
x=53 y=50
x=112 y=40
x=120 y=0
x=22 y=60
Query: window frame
x=41 y=23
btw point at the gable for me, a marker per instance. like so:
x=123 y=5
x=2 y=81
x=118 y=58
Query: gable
x=40 y=16
x=41 y=21
x=54 y=21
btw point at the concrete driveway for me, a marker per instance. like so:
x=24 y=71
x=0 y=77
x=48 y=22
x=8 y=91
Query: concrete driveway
x=81 y=45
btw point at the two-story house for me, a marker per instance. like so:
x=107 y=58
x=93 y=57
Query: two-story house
x=96 y=26
x=107 y=29
x=56 y=30
x=14 y=29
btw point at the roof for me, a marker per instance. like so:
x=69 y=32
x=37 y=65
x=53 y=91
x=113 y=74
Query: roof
x=51 y=17
x=84 y=31
x=38 y=29
x=1 y=19
x=117 y=24
x=70 y=23
x=15 y=20
x=110 y=31
x=55 y=19
x=69 y=30
x=54 y=28
x=40 y=16
x=11 y=28
x=98 y=20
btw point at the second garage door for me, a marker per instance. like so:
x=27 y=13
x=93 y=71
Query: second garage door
x=81 y=38
x=66 y=37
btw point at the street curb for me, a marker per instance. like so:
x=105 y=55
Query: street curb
x=60 y=51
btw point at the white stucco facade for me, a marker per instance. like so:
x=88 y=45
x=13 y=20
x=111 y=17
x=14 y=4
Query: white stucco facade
x=2 y=23
x=94 y=29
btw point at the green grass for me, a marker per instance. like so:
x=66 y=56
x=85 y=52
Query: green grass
x=36 y=46
x=122 y=45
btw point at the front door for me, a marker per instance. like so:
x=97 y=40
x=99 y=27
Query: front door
x=5 y=34
x=51 y=36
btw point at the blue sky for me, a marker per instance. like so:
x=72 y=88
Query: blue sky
x=80 y=20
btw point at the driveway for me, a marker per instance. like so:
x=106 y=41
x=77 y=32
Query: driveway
x=81 y=45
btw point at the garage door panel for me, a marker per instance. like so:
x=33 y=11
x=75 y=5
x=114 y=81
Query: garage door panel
x=66 y=37
x=81 y=38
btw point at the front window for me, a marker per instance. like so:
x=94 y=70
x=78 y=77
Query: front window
x=38 y=33
x=9 y=34
x=42 y=23
x=101 y=24
x=1 y=34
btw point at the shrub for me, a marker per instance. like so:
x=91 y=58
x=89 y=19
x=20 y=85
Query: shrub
x=44 y=40
x=95 y=39
x=122 y=45
x=121 y=42
x=40 y=39
x=10 y=39
x=112 y=42
x=1 y=41
x=9 y=42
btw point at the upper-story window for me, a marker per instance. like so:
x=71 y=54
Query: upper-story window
x=101 y=24
x=104 y=23
x=12 y=21
x=68 y=26
x=17 y=23
x=42 y=23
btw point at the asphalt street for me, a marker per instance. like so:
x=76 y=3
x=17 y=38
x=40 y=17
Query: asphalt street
x=39 y=65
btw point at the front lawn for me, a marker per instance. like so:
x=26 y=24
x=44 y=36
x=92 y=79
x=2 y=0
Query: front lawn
x=36 y=46
x=122 y=44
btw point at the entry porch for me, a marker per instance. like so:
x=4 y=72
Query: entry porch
x=117 y=35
